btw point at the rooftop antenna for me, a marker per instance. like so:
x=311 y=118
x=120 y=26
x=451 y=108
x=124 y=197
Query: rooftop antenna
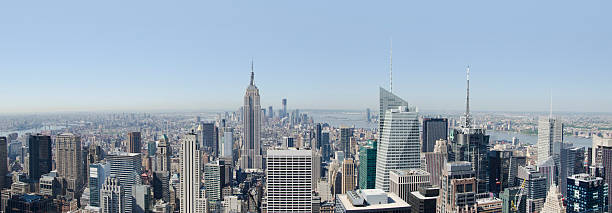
x=467 y=101
x=551 y=105
x=252 y=73
x=391 y=67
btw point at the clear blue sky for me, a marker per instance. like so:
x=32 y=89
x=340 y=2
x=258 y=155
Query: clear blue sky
x=167 y=55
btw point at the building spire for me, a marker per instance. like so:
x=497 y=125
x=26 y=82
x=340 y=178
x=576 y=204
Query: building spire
x=391 y=67
x=252 y=73
x=468 y=121
x=551 y=105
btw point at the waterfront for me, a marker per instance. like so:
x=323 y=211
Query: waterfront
x=532 y=139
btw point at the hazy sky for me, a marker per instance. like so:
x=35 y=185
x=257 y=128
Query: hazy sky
x=167 y=55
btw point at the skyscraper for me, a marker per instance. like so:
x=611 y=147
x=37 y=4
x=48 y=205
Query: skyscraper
x=348 y=175
x=162 y=155
x=399 y=146
x=127 y=167
x=403 y=182
x=113 y=196
x=367 y=165
x=317 y=135
x=134 y=142
x=586 y=194
x=571 y=162
x=227 y=143
x=206 y=137
x=289 y=180
x=98 y=172
x=284 y=103
x=550 y=139
x=457 y=193
x=388 y=100
x=39 y=148
x=271 y=112
x=325 y=146
x=3 y=162
x=191 y=197
x=250 y=155
x=535 y=188
x=346 y=134
x=69 y=163
x=212 y=182
x=471 y=144
x=433 y=129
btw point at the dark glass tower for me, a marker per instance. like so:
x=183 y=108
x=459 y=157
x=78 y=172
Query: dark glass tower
x=433 y=130
x=39 y=148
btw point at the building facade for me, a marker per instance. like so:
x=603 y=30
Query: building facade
x=250 y=155
x=289 y=180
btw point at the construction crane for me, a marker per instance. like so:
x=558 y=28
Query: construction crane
x=516 y=203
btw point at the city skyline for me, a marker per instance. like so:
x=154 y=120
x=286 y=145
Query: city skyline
x=138 y=60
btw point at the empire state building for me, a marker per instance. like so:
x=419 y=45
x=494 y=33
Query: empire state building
x=250 y=153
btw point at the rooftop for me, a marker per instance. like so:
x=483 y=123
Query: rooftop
x=391 y=200
x=290 y=152
x=406 y=172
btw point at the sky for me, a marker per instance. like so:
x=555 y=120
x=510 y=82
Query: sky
x=195 y=55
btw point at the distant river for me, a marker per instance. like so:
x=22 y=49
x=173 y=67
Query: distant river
x=533 y=139
x=34 y=130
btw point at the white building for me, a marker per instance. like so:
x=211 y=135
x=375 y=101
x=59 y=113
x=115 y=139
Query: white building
x=399 y=147
x=112 y=196
x=550 y=137
x=404 y=181
x=192 y=200
x=289 y=180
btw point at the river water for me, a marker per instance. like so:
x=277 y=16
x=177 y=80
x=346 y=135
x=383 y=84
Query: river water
x=533 y=139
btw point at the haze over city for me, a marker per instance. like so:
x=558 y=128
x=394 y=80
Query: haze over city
x=153 y=55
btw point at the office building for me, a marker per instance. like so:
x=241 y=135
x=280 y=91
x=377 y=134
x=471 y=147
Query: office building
x=499 y=170
x=536 y=186
x=435 y=161
x=191 y=198
x=227 y=143
x=49 y=185
x=346 y=134
x=433 y=129
x=586 y=194
x=387 y=101
x=162 y=156
x=206 y=137
x=112 y=196
x=317 y=136
x=143 y=198
x=404 y=181
x=284 y=104
x=39 y=160
x=399 y=146
x=29 y=203
x=212 y=183
x=97 y=174
x=550 y=135
x=348 y=175
x=69 y=163
x=489 y=205
x=270 y=112
x=554 y=201
x=126 y=167
x=367 y=165
x=370 y=200
x=424 y=200
x=457 y=192
x=289 y=180
x=325 y=146
x=471 y=144
x=571 y=162
x=161 y=186
x=602 y=157
x=3 y=162
x=250 y=155
x=510 y=200
x=134 y=142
